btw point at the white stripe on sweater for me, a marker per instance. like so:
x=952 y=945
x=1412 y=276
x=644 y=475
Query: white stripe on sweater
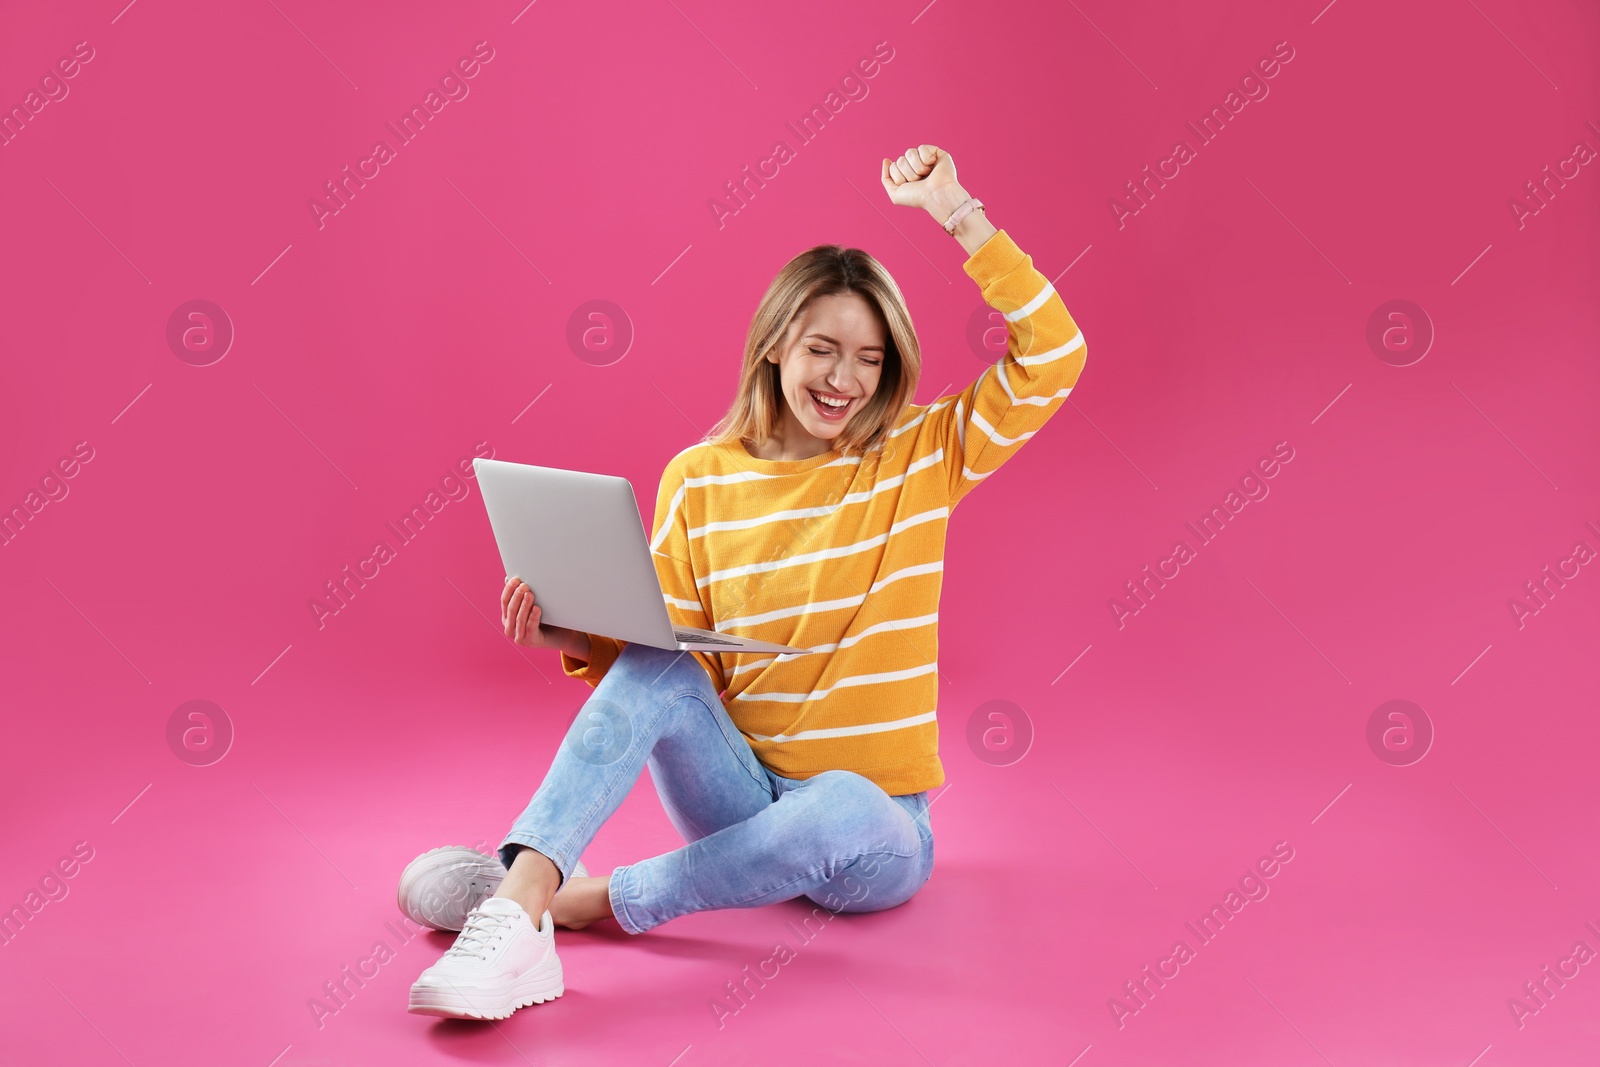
x=887 y=626
x=685 y=605
x=843 y=683
x=929 y=410
x=994 y=435
x=815 y=607
x=1033 y=305
x=1053 y=354
x=826 y=553
x=724 y=479
x=1005 y=382
x=849 y=731
x=826 y=509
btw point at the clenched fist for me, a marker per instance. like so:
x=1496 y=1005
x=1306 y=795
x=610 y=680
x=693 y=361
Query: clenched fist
x=924 y=177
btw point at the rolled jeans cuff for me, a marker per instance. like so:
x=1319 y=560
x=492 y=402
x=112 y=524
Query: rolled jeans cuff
x=564 y=863
x=625 y=900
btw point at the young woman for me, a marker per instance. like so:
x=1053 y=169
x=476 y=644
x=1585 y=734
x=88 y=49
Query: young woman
x=813 y=515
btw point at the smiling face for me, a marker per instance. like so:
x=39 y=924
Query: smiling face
x=835 y=352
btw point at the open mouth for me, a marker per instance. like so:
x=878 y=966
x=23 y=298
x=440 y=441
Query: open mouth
x=831 y=412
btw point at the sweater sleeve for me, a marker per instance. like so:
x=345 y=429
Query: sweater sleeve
x=987 y=422
x=687 y=605
x=603 y=652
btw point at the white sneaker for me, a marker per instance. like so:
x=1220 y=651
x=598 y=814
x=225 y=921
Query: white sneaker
x=500 y=962
x=442 y=885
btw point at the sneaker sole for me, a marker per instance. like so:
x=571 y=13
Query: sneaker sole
x=482 y=879
x=532 y=988
x=482 y=876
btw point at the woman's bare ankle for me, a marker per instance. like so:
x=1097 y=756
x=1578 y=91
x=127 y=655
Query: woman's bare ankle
x=531 y=881
x=581 y=901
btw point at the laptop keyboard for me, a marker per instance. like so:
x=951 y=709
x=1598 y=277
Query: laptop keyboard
x=694 y=638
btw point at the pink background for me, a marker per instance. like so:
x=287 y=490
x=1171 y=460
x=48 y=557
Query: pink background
x=373 y=354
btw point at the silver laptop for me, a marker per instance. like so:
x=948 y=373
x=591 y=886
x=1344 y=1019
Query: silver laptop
x=578 y=541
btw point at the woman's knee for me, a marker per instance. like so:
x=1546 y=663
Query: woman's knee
x=848 y=787
x=655 y=669
x=870 y=838
x=635 y=658
x=854 y=807
x=647 y=677
x=645 y=693
x=876 y=881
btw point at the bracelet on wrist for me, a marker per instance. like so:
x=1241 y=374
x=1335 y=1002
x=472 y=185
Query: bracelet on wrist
x=968 y=206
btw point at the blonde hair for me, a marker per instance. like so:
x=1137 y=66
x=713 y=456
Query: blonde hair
x=824 y=271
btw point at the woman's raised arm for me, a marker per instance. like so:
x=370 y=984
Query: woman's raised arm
x=984 y=425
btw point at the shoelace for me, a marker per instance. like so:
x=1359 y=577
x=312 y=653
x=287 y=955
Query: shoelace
x=481 y=928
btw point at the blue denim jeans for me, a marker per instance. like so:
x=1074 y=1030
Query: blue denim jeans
x=754 y=837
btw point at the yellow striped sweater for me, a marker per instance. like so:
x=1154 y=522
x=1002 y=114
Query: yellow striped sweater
x=845 y=555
